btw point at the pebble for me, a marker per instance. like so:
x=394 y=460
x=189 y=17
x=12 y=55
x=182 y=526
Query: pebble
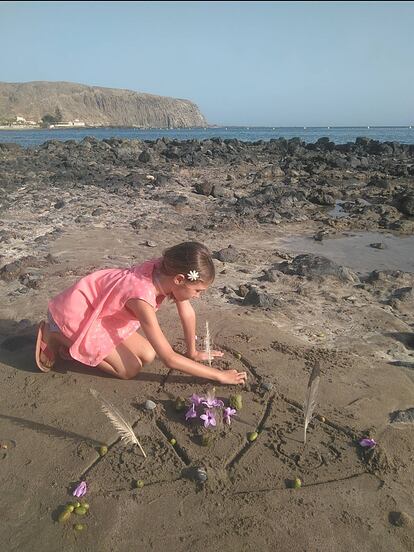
x=201 y=474
x=267 y=385
x=149 y=243
x=150 y=405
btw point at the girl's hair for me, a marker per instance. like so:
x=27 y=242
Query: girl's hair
x=182 y=258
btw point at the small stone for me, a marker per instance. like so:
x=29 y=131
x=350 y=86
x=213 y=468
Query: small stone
x=267 y=385
x=150 y=405
x=149 y=243
x=201 y=474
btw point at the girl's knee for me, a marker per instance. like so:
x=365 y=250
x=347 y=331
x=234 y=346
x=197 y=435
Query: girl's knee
x=147 y=355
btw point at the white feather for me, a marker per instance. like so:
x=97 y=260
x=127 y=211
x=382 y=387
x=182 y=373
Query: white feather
x=207 y=344
x=310 y=401
x=123 y=428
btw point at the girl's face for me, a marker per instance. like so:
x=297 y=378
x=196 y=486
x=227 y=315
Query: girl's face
x=183 y=290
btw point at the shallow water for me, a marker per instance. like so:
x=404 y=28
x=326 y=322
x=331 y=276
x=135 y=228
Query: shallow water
x=353 y=250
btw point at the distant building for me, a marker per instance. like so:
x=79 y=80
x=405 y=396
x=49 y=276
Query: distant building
x=68 y=124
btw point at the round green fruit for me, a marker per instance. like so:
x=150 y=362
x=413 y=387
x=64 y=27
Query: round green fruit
x=252 y=436
x=297 y=484
x=64 y=516
x=103 y=450
x=138 y=484
x=80 y=510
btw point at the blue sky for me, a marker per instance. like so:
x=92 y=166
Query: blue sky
x=243 y=63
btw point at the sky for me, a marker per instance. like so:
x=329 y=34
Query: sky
x=242 y=63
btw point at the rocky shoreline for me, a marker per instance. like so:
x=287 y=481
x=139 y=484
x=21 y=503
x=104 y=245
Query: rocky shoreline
x=226 y=193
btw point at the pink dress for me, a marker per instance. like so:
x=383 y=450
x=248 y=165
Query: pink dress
x=92 y=313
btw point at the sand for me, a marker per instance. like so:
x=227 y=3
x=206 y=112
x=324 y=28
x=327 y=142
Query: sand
x=351 y=499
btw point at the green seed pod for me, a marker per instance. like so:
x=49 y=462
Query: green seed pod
x=76 y=504
x=80 y=511
x=85 y=505
x=236 y=402
x=138 y=483
x=252 y=436
x=103 y=450
x=69 y=508
x=173 y=441
x=79 y=526
x=179 y=404
x=297 y=484
x=238 y=356
x=64 y=516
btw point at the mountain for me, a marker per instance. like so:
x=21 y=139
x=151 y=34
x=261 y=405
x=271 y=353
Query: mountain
x=96 y=106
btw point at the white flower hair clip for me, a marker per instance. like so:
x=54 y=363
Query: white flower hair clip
x=193 y=275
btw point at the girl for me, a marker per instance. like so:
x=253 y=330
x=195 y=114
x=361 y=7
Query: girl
x=95 y=320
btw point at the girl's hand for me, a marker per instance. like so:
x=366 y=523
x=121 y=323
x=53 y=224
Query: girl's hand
x=200 y=356
x=232 y=377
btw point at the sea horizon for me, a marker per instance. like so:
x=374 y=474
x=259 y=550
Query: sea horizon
x=32 y=137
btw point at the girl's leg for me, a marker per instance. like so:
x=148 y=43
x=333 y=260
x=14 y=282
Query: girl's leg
x=50 y=344
x=126 y=360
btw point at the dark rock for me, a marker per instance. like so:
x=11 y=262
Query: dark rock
x=98 y=211
x=59 y=204
x=378 y=245
x=243 y=290
x=203 y=188
x=406 y=205
x=144 y=157
x=257 y=298
x=402 y=416
x=227 y=255
x=311 y=266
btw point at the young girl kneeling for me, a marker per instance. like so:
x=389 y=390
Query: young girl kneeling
x=96 y=320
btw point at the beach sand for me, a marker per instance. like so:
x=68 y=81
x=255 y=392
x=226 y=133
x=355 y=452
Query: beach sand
x=351 y=499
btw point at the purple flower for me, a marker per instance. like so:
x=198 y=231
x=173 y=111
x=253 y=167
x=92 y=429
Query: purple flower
x=196 y=400
x=212 y=402
x=228 y=413
x=367 y=443
x=191 y=413
x=208 y=418
x=81 y=489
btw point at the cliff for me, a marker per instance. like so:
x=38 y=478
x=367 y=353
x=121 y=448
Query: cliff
x=96 y=106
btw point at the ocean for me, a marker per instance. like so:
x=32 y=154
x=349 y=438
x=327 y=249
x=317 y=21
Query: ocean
x=339 y=135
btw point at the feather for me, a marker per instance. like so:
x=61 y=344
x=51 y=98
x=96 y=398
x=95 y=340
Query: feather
x=123 y=428
x=310 y=401
x=207 y=345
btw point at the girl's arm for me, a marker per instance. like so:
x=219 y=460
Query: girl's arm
x=149 y=324
x=188 y=322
